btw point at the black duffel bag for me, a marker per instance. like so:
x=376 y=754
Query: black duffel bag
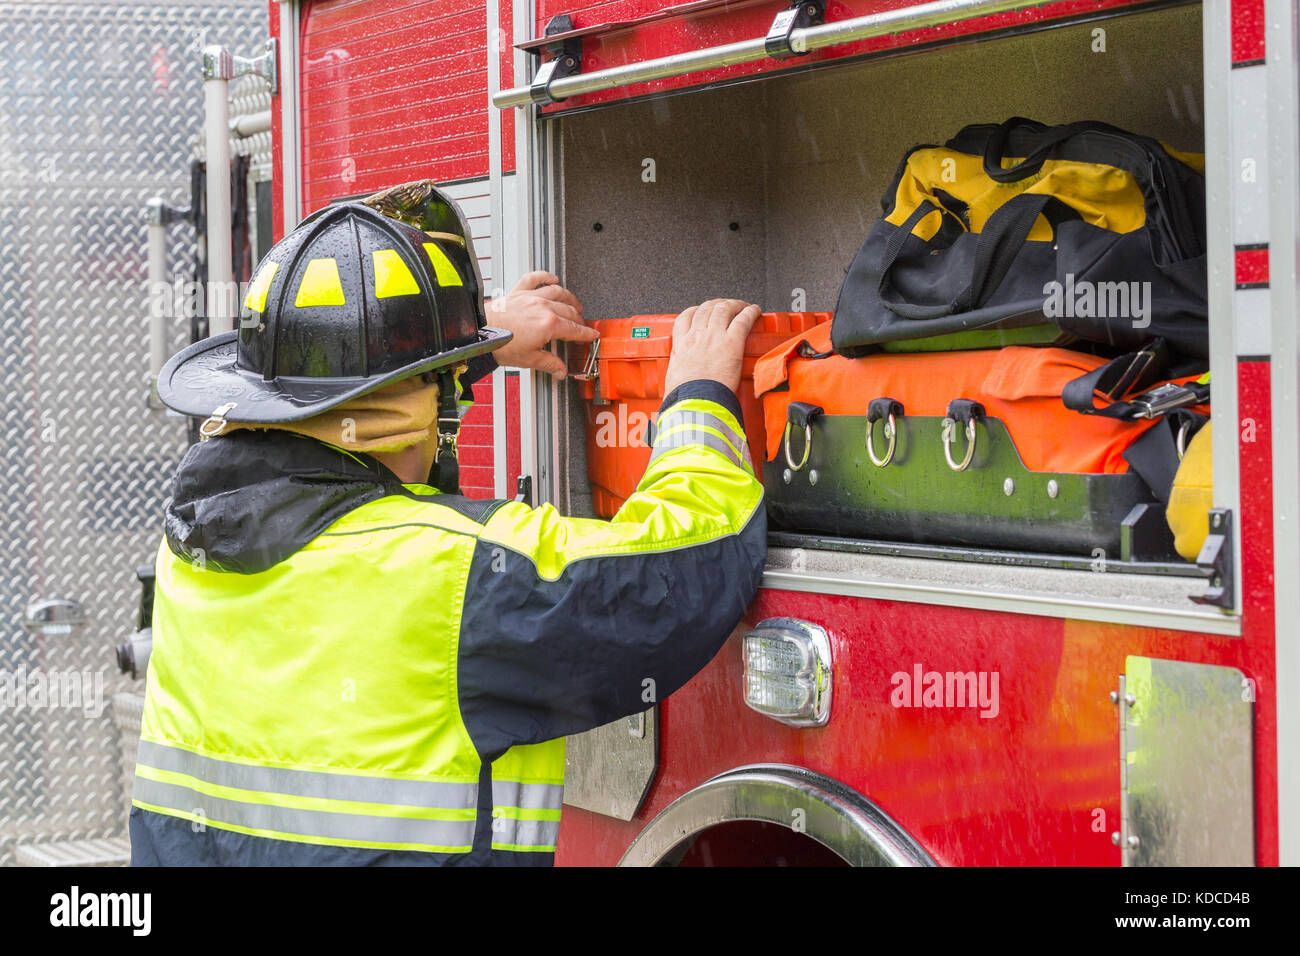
x=1093 y=232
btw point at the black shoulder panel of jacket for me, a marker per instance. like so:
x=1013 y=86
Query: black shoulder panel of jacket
x=244 y=502
x=613 y=634
x=707 y=389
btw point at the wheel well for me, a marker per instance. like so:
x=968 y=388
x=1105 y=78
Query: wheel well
x=777 y=812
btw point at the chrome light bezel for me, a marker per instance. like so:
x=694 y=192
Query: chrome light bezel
x=814 y=644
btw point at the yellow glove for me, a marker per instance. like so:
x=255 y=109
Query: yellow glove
x=1192 y=497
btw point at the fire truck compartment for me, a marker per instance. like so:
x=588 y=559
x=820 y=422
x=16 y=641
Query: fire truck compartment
x=763 y=190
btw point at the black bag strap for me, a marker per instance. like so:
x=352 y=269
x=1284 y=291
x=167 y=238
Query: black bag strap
x=1154 y=456
x=1049 y=137
x=1000 y=241
x=1117 y=378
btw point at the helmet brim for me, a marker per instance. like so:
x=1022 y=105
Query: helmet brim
x=204 y=377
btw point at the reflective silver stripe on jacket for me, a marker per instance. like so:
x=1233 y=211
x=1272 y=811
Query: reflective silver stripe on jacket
x=507 y=831
x=310 y=783
x=527 y=835
x=447 y=835
x=261 y=812
x=682 y=427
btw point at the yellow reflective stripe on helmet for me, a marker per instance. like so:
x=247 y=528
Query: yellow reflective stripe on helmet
x=261 y=284
x=442 y=267
x=320 y=284
x=392 y=277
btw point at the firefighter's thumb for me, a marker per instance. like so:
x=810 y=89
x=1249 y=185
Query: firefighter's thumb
x=551 y=363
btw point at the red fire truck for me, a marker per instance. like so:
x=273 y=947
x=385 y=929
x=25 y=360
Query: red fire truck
x=1111 y=710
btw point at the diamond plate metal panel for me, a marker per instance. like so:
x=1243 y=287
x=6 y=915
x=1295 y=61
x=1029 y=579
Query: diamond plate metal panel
x=99 y=103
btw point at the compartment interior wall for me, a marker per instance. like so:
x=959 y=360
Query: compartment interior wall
x=764 y=190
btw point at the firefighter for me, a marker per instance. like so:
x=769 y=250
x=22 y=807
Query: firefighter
x=352 y=662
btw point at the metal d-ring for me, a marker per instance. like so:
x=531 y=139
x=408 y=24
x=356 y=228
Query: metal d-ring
x=891 y=432
x=1181 y=442
x=215 y=423
x=807 y=447
x=948 y=424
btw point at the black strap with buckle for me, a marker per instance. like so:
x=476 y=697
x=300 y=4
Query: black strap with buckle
x=1114 y=380
x=445 y=473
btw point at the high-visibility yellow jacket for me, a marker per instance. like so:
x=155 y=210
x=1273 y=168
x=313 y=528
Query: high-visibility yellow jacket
x=347 y=669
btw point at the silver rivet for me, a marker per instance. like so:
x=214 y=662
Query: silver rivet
x=1133 y=842
x=1114 y=838
x=1053 y=489
x=1008 y=487
x=812 y=477
x=787 y=475
x=1114 y=697
x=1130 y=700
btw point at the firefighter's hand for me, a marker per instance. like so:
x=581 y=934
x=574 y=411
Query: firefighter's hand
x=709 y=342
x=538 y=310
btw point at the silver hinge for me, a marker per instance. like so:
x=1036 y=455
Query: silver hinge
x=220 y=64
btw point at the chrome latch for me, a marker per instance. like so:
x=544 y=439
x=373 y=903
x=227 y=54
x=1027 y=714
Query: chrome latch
x=566 y=60
x=798 y=16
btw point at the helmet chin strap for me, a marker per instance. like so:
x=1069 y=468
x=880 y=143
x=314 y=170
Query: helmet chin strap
x=445 y=473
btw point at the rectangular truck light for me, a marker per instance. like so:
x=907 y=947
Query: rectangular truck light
x=788 y=671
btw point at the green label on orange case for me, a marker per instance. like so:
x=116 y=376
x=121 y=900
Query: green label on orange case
x=641 y=332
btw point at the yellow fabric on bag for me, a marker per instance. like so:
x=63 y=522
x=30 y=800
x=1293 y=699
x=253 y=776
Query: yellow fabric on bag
x=1192 y=497
x=1104 y=196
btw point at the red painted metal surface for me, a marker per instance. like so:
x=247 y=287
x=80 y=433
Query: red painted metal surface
x=277 y=164
x=1247 y=32
x=391 y=92
x=514 y=434
x=1035 y=784
x=1255 y=530
x=1251 y=267
x=746 y=22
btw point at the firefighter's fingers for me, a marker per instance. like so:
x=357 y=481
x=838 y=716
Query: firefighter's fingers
x=552 y=363
x=558 y=293
x=743 y=323
x=546 y=310
x=723 y=311
x=568 y=331
x=533 y=280
x=683 y=322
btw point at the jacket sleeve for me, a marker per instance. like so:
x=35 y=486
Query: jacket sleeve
x=570 y=623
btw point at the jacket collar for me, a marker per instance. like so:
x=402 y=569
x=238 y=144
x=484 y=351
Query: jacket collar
x=244 y=502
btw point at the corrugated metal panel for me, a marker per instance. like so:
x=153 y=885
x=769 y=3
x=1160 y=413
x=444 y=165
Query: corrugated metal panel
x=98 y=104
x=391 y=93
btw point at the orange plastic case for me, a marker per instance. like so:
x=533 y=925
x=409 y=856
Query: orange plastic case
x=1019 y=385
x=633 y=364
